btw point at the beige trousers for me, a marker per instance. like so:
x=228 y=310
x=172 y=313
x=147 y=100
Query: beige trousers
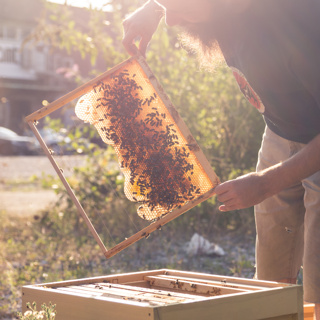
x=288 y=224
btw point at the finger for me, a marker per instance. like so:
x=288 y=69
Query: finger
x=128 y=42
x=221 y=189
x=230 y=204
x=130 y=47
x=227 y=194
x=144 y=45
x=224 y=197
x=125 y=24
x=225 y=208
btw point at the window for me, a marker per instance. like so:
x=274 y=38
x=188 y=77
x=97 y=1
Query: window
x=11 y=32
x=9 y=55
x=8 y=32
x=26 y=59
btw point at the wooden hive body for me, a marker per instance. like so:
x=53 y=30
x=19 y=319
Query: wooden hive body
x=169 y=295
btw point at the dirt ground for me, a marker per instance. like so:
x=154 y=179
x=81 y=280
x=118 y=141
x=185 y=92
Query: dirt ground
x=17 y=195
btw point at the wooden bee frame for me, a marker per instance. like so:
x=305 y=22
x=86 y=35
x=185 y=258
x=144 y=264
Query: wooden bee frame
x=169 y=295
x=201 y=159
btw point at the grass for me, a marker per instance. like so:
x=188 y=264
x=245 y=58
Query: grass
x=46 y=312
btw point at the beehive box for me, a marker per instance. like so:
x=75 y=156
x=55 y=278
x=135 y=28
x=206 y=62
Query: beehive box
x=168 y=295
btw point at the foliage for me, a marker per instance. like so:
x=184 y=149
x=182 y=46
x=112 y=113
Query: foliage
x=89 y=32
x=99 y=188
x=46 y=312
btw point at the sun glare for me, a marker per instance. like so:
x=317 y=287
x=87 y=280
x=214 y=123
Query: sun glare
x=97 y=4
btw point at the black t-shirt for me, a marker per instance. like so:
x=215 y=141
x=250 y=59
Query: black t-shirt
x=275 y=57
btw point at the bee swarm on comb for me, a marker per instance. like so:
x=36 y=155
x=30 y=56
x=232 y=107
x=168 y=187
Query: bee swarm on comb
x=155 y=158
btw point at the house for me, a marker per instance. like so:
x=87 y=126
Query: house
x=28 y=73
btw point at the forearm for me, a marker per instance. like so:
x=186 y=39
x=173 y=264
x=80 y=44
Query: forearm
x=292 y=171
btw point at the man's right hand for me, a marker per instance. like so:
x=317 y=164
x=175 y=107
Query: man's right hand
x=141 y=24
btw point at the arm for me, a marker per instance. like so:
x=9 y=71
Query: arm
x=142 y=23
x=253 y=188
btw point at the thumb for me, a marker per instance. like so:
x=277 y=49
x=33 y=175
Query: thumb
x=220 y=188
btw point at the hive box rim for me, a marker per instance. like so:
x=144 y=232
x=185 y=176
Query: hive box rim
x=272 y=292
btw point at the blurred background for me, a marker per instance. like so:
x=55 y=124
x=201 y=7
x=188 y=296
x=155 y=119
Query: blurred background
x=46 y=50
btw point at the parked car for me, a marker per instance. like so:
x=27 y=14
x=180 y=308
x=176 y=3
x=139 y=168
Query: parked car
x=57 y=141
x=13 y=144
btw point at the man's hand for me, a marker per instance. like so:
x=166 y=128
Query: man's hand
x=253 y=188
x=242 y=192
x=141 y=24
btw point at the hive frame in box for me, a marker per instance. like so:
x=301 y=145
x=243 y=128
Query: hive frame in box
x=89 y=86
x=169 y=295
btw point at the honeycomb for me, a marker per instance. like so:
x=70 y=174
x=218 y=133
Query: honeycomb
x=161 y=171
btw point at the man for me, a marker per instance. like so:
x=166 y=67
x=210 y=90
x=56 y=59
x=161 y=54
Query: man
x=273 y=48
